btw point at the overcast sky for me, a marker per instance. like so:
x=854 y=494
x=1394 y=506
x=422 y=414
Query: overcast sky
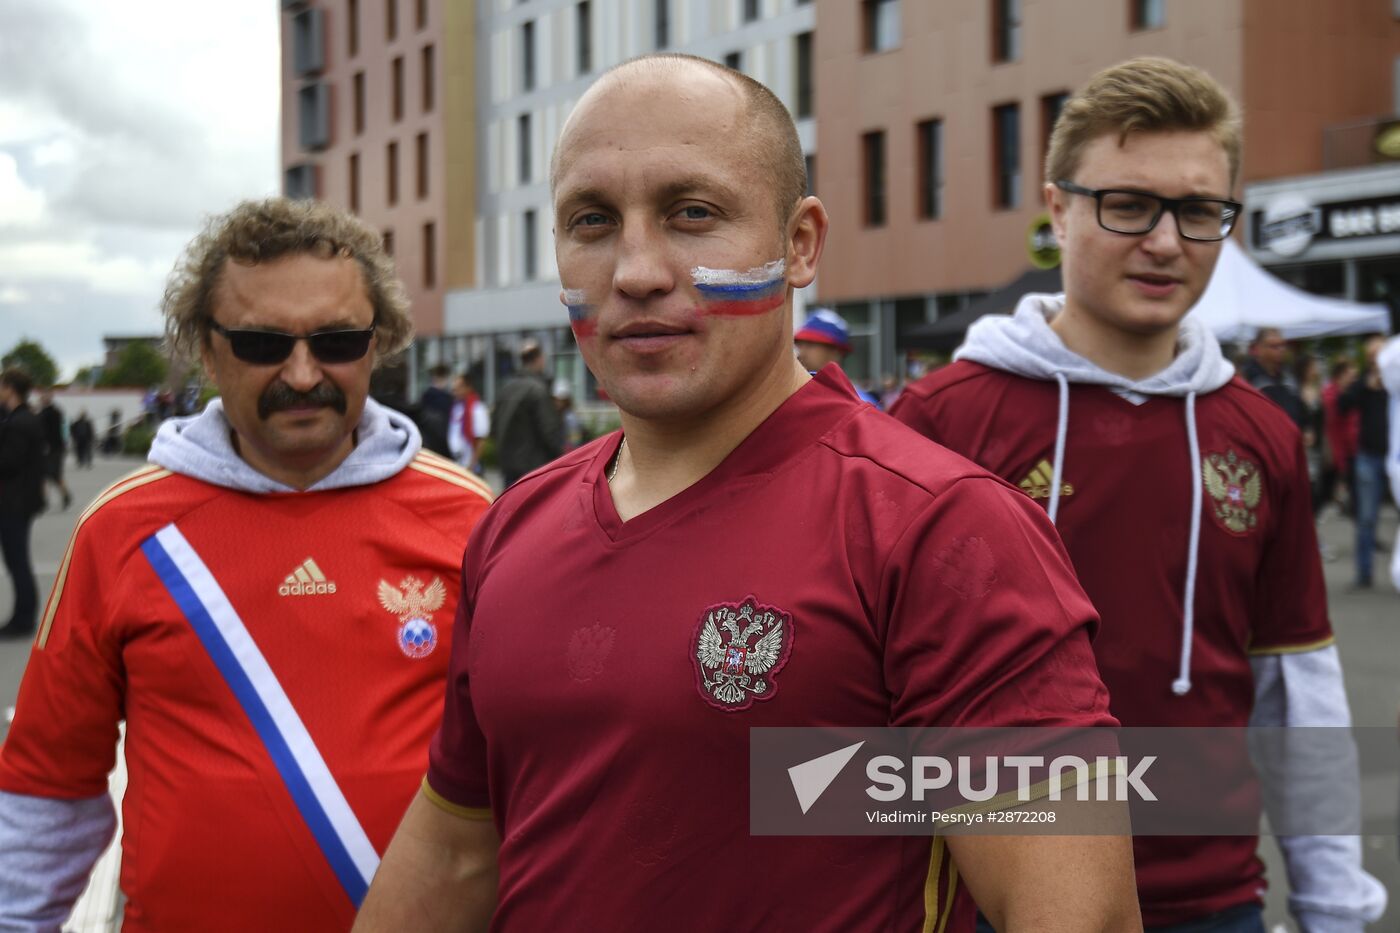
x=122 y=126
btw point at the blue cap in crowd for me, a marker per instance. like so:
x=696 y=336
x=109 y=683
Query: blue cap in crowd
x=825 y=326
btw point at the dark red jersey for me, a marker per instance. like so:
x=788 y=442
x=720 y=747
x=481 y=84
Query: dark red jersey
x=591 y=710
x=1125 y=509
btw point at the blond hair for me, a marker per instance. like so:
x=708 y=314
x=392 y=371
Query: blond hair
x=261 y=231
x=1143 y=95
x=771 y=129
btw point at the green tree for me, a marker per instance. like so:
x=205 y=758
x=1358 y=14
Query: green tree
x=139 y=364
x=33 y=359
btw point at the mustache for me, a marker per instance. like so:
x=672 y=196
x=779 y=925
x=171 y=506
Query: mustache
x=280 y=396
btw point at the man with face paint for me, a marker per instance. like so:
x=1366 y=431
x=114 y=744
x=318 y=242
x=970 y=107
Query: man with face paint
x=635 y=607
x=265 y=604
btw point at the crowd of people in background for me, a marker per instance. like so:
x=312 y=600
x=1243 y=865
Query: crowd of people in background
x=1344 y=420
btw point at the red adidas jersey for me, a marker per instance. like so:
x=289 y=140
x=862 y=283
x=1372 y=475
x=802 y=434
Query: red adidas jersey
x=615 y=765
x=1124 y=516
x=323 y=582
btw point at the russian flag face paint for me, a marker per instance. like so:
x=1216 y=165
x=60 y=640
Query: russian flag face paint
x=582 y=313
x=738 y=294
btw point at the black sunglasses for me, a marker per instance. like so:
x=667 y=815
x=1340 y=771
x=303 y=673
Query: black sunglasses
x=1137 y=212
x=268 y=347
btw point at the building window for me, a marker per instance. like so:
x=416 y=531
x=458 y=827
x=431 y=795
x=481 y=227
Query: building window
x=354 y=192
x=1148 y=14
x=1006 y=30
x=751 y=11
x=929 y=136
x=392 y=168
x=527 y=56
x=529 y=252
x=429 y=77
x=422 y=18
x=391 y=20
x=389 y=243
x=396 y=87
x=663 y=23
x=522 y=144
x=873 y=171
x=357 y=88
x=421 y=150
x=314 y=116
x=811 y=163
x=1006 y=145
x=308 y=42
x=583 y=28
x=879 y=24
x=299 y=182
x=734 y=60
x=803 y=43
x=352 y=27
x=429 y=255
x=1050 y=107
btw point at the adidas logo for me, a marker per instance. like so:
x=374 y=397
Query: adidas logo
x=1037 y=484
x=306 y=580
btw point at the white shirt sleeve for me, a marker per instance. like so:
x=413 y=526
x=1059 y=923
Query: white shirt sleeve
x=1329 y=890
x=47 y=848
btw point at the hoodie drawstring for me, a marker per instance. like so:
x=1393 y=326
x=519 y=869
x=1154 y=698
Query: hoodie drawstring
x=1182 y=684
x=1061 y=430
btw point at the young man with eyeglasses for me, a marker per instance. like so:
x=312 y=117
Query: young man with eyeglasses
x=267 y=605
x=1180 y=492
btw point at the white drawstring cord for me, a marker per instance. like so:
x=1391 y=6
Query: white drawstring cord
x=1182 y=685
x=1061 y=430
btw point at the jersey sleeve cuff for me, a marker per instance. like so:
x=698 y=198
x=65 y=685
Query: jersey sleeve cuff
x=1294 y=649
x=456 y=809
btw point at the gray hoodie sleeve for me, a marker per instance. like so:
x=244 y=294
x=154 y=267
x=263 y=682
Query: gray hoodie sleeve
x=1329 y=890
x=47 y=848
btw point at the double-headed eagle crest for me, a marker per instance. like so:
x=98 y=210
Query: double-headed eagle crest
x=739 y=651
x=1236 y=487
x=414 y=607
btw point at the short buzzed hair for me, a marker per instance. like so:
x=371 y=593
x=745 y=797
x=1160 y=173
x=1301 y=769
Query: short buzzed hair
x=771 y=127
x=1149 y=95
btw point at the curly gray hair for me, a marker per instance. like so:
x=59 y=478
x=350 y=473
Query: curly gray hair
x=259 y=231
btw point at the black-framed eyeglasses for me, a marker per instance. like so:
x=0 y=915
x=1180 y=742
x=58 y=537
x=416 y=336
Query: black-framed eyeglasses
x=1137 y=212
x=269 y=347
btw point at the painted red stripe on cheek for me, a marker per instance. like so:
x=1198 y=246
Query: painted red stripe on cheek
x=745 y=308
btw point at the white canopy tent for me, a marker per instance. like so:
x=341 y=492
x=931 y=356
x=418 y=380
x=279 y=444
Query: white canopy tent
x=1242 y=297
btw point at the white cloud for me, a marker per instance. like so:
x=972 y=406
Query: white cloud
x=58 y=151
x=122 y=125
x=20 y=205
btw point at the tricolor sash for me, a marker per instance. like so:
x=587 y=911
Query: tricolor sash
x=317 y=796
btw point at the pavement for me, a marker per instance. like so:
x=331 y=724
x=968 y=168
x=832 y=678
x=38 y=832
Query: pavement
x=1367 y=624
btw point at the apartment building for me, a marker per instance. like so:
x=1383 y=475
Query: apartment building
x=378 y=116
x=935 y=119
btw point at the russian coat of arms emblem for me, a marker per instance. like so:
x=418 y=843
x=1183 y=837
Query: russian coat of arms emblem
x=414 y=606
x=1236 y=488
x=739 y=650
